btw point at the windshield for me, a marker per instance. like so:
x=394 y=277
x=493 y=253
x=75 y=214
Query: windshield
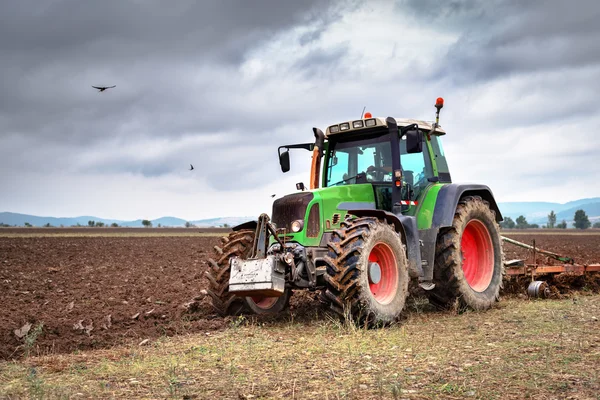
x=360 y=161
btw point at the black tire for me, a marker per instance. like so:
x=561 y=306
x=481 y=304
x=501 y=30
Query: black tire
x=469 y=263
x=349 y=290
x=237 y=244
x=269 y=305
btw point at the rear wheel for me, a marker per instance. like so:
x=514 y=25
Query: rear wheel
x=469 y=262
x=367 y=272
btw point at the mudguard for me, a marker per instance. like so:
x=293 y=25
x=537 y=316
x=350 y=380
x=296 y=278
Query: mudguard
x=246 y=225
x=443 y=216
x=448 y=197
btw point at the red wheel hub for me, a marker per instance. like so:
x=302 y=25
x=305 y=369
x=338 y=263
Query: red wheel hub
x=477 y=255
x=387 y=273
x=264 y=302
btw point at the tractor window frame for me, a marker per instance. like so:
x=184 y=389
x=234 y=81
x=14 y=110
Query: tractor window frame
x=440 y=159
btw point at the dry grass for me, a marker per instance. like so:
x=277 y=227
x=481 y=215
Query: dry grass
x=522 y=349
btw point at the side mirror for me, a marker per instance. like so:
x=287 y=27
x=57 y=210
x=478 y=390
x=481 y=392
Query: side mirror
x=414 y=141
x=284 y=161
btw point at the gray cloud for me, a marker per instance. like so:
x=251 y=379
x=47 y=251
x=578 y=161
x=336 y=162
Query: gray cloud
x=222 y=84
x=176 y=67
x=501 y=38
x=155 y=53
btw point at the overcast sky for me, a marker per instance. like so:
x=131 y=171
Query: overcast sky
x=221 y=84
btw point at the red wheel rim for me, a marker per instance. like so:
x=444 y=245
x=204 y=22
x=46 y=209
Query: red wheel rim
x=477 y=255
x=264 y=302
x=384 y=290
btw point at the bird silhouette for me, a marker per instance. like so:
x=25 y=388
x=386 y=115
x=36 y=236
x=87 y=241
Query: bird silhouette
x=191 y=167
x=273 y=195
x=103 y=88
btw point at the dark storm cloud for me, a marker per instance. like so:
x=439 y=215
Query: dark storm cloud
x=503 y=38
x=127 y=30
x=176 y=66
x=323 y=63
x=53 y=52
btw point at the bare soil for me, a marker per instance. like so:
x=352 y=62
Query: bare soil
x=98 y=292
x=584 y=248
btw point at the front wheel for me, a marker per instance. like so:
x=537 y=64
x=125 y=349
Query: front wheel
x=269 y=305
x=469 y=262
x=367 y=272
x=236 y=244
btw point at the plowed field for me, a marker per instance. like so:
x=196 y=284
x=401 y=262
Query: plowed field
x=96 y=292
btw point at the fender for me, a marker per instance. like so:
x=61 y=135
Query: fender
x=246 y=225
x=443 y=216
x=407 y=228
x=449 y=196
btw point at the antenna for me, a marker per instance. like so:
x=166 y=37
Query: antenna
x=363 y=112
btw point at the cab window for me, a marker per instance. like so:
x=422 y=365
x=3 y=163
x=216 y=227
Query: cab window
x=416 y=169
x=369 y=158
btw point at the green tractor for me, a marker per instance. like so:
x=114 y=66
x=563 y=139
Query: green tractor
x=383 y=212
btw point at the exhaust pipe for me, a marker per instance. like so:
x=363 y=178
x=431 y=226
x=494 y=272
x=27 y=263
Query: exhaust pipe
x=315 y=166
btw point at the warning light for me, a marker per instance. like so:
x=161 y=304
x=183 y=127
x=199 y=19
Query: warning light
x=398 y=183
x=368 y=115
x=439 y=103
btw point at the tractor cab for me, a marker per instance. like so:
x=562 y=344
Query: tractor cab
x=393 y=155
x=395 y=160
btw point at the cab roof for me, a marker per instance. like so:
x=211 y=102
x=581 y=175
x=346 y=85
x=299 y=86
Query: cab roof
x=378 y=122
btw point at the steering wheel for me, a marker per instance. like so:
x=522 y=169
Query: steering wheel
x=377 y=172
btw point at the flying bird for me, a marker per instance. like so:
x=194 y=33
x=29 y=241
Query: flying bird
x=273 y=195
x=191 y=167
x=103 y=88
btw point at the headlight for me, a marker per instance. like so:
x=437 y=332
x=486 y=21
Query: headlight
x=297 y=225
x=345 y=126
x=334 y=129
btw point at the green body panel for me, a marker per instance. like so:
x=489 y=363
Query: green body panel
x=427 y=206
x=329 y=199
x=332 y=197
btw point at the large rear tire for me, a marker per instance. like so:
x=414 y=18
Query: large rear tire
x=469 y=264
x=367 y=272
x=237 y=244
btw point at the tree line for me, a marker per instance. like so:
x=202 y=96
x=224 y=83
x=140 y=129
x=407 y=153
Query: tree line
x=581 y=221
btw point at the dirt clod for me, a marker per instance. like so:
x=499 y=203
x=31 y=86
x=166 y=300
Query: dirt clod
x=21 y=332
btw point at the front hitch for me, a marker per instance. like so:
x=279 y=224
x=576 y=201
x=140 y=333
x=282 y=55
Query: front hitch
x=260 y=274
x=264 y=229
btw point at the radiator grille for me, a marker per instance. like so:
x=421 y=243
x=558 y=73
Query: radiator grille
x=290 y=208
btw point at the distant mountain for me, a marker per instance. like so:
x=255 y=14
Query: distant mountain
x=537 y=212
x=15 y=219
x=20 y=220
x=534 y=212
x=591 y=209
